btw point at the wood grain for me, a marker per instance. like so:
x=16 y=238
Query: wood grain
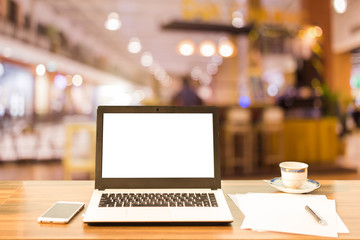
x=22 y=202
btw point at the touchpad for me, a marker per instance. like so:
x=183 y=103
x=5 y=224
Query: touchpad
x=148 y=214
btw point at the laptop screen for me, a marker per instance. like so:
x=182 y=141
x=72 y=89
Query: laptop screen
x=157 y=145
x=141 y=147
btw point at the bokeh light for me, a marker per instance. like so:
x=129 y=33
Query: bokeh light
x=272 y=90
x=226 y=47
x=207 y=48
x=244 y=101
x=205 y=92
x=77 y=80
x=217 y=59
x=60 y=81
x=355 y=81
x=186 y=47
x=40 y=70
x=113 y=22
x=237 y=19
x=146 y=59
x=196 y=73
x=51 y=66
x=134 y=45
x=212 y=68
x=340 y=6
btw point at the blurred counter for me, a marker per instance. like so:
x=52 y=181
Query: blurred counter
x=311 y=140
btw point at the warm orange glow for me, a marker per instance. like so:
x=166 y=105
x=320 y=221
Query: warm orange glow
x=186 y=47
x=207 y=48
x=317 y=31
x=311 y=32
x=226 y=47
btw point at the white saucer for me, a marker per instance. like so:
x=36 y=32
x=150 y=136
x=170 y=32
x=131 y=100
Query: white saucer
x=309 y=186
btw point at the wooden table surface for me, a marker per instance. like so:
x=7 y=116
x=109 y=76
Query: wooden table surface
x=21 y=203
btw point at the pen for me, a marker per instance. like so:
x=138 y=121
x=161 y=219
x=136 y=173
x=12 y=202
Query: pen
x=316 y=216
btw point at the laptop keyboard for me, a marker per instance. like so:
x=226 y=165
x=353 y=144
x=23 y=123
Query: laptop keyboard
x=158 y=200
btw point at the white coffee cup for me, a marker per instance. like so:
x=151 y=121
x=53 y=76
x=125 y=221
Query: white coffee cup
x=293 y=174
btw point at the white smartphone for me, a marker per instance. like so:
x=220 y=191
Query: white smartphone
x=61 y=212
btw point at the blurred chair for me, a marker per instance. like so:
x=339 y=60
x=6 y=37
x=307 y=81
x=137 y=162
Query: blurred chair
x=272 y=136
x=79 y=152
x=239 y=141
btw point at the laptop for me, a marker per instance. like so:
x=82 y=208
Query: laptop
x=157 y=164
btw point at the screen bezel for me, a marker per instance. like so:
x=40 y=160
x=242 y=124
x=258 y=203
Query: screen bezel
x=128 y=183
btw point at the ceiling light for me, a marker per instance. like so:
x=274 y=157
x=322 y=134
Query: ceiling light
x=40 y=70
x=146 y=59
x=186 y=47
x=134 y=45
x=113 y=22
x=238 y=19
x=340 y=6
x=207 y=48
x=226 y=47
x=238 y=22
x=77 y=80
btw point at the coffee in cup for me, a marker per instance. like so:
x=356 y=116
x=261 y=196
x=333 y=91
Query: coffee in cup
x=293 y=174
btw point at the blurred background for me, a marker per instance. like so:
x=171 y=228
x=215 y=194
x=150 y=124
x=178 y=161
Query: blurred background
x=285 y=75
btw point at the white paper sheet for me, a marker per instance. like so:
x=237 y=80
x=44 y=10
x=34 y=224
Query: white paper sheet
x=286 y=213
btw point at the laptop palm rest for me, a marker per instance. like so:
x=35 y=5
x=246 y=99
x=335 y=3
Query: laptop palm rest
x=148 y=213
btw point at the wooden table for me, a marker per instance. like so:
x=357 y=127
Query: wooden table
x=22 y=202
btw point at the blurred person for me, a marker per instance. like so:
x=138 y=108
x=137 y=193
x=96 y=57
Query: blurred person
x=187 y=95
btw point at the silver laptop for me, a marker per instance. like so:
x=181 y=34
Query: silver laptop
x=157 y=164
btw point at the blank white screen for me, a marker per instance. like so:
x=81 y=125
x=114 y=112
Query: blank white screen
x=158 y=145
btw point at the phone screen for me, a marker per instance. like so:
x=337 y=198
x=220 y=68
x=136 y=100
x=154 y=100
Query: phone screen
x=63 y=210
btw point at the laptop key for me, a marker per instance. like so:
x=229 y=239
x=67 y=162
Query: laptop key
x=189 y=204
x=149 y=205
x=158 y=200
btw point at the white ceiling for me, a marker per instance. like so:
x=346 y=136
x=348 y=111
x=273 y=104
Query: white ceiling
x=83 y=22
x=84 y=19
